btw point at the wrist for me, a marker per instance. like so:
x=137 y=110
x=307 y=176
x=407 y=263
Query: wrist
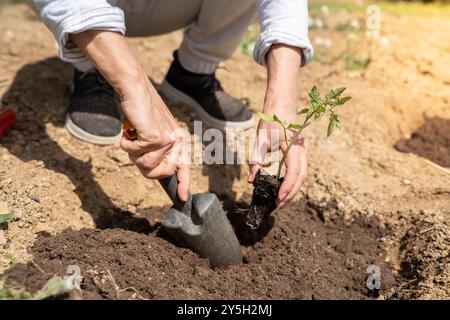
x=129 y=83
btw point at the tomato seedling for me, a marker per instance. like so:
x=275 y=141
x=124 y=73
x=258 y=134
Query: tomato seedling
x=318 y=106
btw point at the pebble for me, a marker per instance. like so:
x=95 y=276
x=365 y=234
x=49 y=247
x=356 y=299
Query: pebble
x=42 y=228
x=407 y=181
x=16 y=149
x=6 y=181
x=34 y=197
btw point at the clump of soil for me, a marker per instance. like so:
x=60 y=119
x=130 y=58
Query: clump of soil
x=423 y=264
x=431 y=141
x=300 y=258
x=253 y=223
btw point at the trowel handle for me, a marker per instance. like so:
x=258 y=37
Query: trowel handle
x=170 y=185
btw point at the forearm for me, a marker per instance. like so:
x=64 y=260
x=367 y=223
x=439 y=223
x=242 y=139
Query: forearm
x=113 y=58
x=283 y=63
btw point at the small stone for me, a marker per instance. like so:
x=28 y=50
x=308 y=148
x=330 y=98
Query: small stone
x=42 y=228
x=34 y=197
x=6 y=181
x=407 y=181
x=16 y=149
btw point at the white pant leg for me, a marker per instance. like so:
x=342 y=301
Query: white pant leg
x=215 y=34
x=214 y=28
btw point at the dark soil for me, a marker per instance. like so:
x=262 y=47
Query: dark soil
x=300 y=258
x=253 y=223
x=431 y=141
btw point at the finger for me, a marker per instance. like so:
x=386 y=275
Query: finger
x=163 y=170
x=138 y=147
x=258 y=155
x=178 y=156
x=301 y=179
x=253 y=171
x=296 y=172
x=290 y=179
x=183 y=172
x=184 y=179
x=293 y=169
x=133 y=147
x=150 y=160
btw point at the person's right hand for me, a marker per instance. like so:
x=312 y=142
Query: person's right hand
x=158 y=150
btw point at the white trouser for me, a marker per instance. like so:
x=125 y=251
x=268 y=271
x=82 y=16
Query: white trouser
x=213 y=29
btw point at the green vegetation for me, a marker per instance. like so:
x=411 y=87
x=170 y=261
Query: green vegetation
x=10 y=258
x=318 y=106
x=54 y=287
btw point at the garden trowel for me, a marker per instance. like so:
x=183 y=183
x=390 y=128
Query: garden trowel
x=201 y=225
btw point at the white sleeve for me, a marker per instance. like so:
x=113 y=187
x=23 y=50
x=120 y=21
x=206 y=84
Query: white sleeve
x=64 y=17
x=283 y=21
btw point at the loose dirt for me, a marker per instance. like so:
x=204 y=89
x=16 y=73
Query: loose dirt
x=301 y=258
x=364 y=202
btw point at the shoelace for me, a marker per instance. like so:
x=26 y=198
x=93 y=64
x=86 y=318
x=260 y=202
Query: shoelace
x=94 y=83
x=212 y=84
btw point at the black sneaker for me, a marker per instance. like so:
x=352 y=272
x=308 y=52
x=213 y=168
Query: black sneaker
x=204 y=94
x=93 y=114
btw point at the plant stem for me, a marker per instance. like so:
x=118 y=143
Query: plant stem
x=289 y=145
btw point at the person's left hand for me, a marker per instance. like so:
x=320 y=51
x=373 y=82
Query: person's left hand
x=296 y=161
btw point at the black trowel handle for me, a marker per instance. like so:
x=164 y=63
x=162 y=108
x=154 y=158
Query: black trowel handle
x=170 y=185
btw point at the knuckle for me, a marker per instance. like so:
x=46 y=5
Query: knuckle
x=145 y=164
x=166 y=173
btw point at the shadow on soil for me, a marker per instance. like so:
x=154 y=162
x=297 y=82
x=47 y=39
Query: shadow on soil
x=39 y=94
x=431 y=141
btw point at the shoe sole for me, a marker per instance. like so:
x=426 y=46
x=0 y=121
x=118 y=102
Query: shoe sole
x=81 y=134
x=176 y=96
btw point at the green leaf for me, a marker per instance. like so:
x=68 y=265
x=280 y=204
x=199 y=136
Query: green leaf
x=330 y=128
x=335 y=93
x=337 y=121
x=5 y=217
x=282 y=123
x=303 y=111
x=294 y=126
x=10 y=258
x=277 y=120
x=54 y=287
x=265 y=117
x=342 y=101
x=314 y=96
